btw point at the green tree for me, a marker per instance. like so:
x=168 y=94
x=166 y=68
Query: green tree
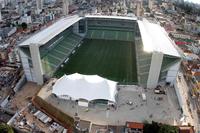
x=155 y=127
x=167 y=129
x=151 y=128
x=24 y=26
x=4 y=128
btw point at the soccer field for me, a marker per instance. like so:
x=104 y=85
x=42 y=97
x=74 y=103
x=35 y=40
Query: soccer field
x=114 y=60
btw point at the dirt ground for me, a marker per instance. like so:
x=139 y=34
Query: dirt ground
x=23 y=96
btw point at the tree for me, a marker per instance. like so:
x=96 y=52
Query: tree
x=198 y=34
x=151 y=128
x=159 y=128
x=167 y=129
x=24 y=26
x=4 y=128
x=148 y=9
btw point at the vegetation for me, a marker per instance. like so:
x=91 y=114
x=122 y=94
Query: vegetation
x=159 y=128
x=4 y=128
x=168 y=129
x=24 y=26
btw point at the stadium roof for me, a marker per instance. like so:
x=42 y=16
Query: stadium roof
x=48 y=33
x=88 y=87
x=155 y=38
x=112 y=17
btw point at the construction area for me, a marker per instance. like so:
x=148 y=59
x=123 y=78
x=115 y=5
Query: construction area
x=9 y=77
x=23 y=97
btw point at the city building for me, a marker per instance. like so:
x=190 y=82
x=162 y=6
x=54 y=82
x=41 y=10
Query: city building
x=186 y=129
x=3 y=54
x=8 y=76
x=26 y=19
x=139 y=9
x=7 y=31
x=65 y=7
x=0 y=15
x=134 y=127
x=39 y=5
x=150 y=4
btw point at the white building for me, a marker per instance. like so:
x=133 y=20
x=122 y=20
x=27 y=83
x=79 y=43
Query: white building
x=150 y=4
x=177 y=35
x=26 y=19
x=65 y=7
x=13 y=56
x=39 y=5
x=90 y=87
x=2 y=3
x=0 y=15
x=139 y=9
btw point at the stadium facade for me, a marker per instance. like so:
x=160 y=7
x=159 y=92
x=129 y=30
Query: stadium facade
x=156 y=57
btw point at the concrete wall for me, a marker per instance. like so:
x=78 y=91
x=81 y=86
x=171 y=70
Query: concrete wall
x=5 y=102
x=154 y=72
x=172 y=73
x=36 y=61
x=26 y=66
x=76 y=29
x=179 y=95
x=20 y=83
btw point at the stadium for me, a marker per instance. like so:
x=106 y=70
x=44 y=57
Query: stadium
x=123 y=49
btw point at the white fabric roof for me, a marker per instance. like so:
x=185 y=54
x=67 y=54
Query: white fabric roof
x=48 y=33
x=88 y=87
x=155 y=38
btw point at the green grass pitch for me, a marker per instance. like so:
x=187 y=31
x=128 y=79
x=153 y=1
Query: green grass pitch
x=114 y=60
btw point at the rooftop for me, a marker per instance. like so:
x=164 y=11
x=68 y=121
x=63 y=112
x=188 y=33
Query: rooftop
x=111 y=17
x=90 y=87
x=48 y=33
x=135 y=125
x=155 y=38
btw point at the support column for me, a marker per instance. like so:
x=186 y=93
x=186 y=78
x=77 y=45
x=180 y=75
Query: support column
x=154 y=72
x=76 y=28
x=36 y=61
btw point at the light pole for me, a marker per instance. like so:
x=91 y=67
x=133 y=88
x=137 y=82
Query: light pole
x=107 y=116
x=76 y=106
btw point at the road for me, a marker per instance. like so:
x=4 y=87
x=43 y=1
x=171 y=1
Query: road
x=185 y=86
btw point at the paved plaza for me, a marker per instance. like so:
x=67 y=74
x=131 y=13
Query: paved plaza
x=157 y=107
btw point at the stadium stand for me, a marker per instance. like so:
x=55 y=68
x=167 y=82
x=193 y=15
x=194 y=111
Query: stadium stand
x=110 y=35
x=143 y=63
x=58 y=50
x=101 y=29
x=168 y=61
